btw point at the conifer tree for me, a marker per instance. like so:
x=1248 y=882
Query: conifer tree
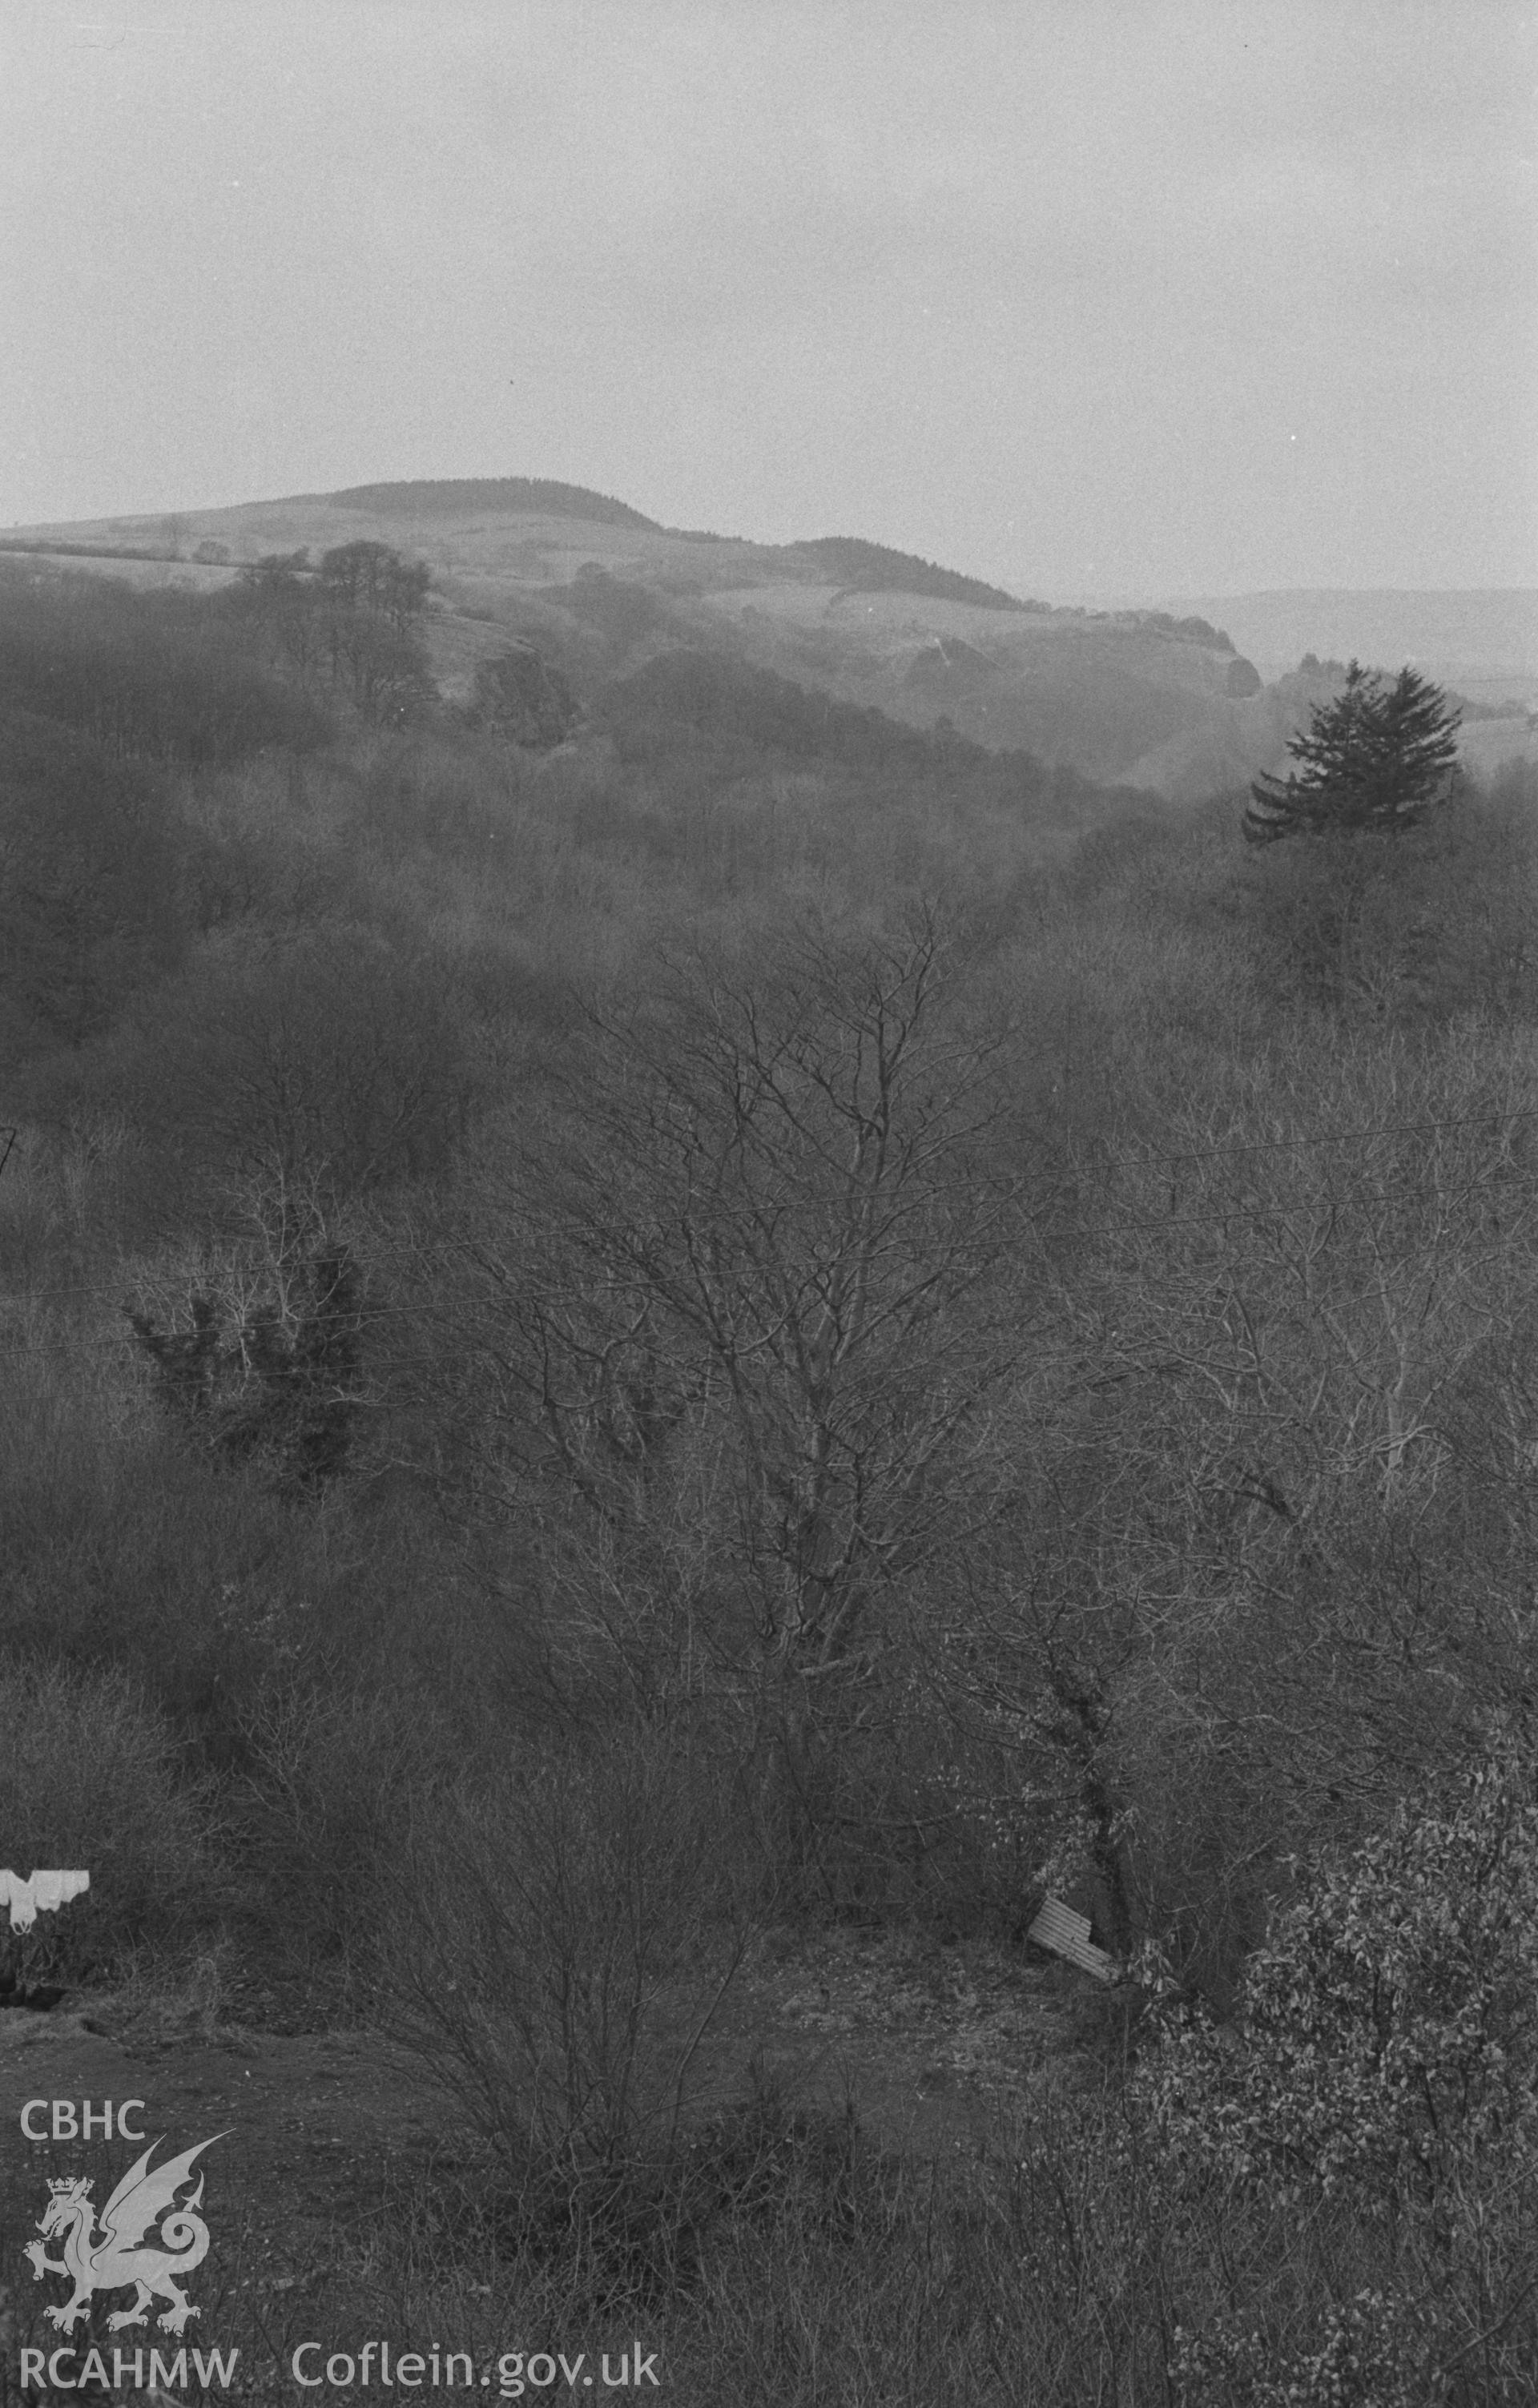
x=1376 y=759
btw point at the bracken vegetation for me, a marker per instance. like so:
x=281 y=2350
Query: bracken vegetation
x=634 y=1314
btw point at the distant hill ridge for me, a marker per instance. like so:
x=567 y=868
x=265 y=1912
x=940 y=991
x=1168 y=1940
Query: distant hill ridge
x=1172 y=699
x=545 y=494
x=868 y=567
x=877 y=568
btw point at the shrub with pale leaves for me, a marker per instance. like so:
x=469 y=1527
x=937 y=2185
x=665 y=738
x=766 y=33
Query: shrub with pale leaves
x=1371 y=2121
x=1388 y=2027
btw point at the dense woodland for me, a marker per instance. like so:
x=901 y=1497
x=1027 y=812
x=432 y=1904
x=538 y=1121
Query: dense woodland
x=634 y=1314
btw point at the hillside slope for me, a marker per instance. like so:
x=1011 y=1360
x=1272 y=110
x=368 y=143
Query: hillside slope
x=1134 y=697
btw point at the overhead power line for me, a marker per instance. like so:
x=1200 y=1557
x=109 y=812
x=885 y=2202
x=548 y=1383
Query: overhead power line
x=1346 y=1136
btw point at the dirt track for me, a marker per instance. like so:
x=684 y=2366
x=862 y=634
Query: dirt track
x=324 y=2134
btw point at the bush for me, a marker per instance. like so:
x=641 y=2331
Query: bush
x=1031 y=2273
x=563 y=1938
x=164 y=677
x=332 y=1056
x=90 y=869
x=87 y=1782
x=1385 y=2084
x=1436 y=925
x=1389 y=2027
x=315 y=1824
x=687 y=699
x=125 y=1550
x=273 y=1376
x=524 y=698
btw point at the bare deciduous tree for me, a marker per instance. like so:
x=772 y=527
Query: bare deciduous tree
x=768 y=1276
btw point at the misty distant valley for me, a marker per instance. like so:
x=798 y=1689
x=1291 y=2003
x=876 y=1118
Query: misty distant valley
x=735 y=1277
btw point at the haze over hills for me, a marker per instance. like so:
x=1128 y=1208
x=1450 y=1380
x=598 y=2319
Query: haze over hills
x=1188 y=702
x=1485 y=640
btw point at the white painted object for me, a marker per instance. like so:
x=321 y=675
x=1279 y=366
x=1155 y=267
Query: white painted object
x=43 y=1894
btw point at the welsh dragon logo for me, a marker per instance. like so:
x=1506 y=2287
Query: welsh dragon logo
x=123 y=2251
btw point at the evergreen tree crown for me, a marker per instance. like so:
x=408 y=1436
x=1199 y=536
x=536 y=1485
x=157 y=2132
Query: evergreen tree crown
x=1376 y=758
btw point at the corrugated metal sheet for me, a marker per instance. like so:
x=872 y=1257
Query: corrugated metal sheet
x=1067 y=1934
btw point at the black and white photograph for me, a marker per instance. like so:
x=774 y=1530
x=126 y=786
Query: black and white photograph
x=769 y=1203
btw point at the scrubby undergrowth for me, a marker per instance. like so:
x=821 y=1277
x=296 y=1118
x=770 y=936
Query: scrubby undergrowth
x=769 y=1326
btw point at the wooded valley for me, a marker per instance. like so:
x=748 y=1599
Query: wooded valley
x=644 y=1310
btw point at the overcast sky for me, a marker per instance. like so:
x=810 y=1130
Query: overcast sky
x=1088 y=295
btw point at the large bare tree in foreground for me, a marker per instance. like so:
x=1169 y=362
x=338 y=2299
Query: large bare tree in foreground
x=753 y=1296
